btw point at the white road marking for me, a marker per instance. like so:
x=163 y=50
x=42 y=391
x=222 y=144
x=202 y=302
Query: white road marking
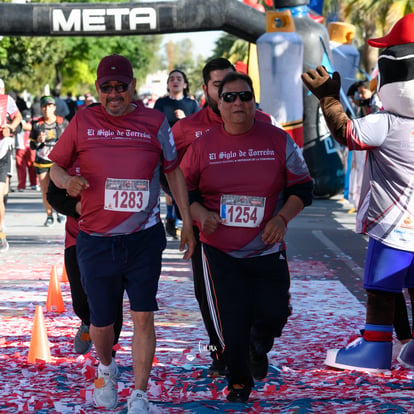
x=338 y=253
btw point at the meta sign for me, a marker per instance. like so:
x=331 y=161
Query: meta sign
x=103 y=20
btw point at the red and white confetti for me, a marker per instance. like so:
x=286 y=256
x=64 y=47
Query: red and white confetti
x=325 y=315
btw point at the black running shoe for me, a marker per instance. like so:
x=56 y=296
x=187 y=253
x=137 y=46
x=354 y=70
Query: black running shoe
x=217 y=368
x=60 y=218
x=259 y=364
x=4 y=245
x=170 y=227
x=49 y=221
x=238 y=393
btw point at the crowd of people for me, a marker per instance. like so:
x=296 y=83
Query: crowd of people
x=236 y=179
x=35 y=128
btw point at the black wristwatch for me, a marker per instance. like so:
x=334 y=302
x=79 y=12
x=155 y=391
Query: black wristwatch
x=11 y=130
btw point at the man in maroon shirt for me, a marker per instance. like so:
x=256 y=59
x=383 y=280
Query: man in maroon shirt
x=247 y=179
x=186 y=131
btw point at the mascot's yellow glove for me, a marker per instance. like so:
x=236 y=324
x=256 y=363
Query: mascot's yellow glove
x=321 y=84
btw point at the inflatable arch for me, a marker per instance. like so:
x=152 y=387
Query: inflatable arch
x=94 y=19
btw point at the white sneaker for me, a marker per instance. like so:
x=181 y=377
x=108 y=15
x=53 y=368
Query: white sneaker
x=105 y=393
x=138 y=403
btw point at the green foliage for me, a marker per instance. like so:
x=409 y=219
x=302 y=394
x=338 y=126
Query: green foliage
x=231 y=48
x=195 y=77
x=69 y=63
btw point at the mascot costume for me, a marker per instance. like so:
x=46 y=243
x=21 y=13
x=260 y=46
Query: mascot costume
x=386 y=207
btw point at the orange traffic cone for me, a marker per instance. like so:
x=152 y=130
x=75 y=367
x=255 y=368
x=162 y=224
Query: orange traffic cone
x=39 y=344
x=64 y=278
x=54 y=300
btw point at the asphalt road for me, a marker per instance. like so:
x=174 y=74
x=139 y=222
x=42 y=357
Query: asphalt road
x=321 y=233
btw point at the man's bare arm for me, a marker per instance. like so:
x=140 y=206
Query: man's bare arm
x=179 y=191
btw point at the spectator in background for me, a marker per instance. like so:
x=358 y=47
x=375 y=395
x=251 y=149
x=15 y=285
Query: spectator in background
x=72 y=105
x=366 y=99
x=89 y=100
x=62 y=108
x=36 y=109
x=149 y=100
x=45 y=133
x=176 y=105
x=20 y=102
x=25 y=156
x=10 y=118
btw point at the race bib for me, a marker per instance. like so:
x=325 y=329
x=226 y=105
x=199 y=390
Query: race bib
x=126 y=195
x=44 y=152
x=404 y=231
x=242 y=211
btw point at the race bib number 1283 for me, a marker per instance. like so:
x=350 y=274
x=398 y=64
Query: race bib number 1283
x=126 y=195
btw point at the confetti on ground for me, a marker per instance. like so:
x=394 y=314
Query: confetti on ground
x=325 y=315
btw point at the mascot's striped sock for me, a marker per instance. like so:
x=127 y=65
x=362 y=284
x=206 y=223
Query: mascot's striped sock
x=378 y=333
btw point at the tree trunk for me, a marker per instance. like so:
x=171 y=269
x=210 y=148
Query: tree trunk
x=369 y=54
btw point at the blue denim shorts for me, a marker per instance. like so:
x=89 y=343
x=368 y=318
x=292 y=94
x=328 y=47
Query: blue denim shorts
x=388 y=269
x=111 y=265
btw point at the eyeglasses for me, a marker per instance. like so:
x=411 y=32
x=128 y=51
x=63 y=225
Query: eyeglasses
x=121 y=87
x=245 y=96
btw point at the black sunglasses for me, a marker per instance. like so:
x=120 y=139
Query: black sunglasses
x=121 y=87
x=245 y=96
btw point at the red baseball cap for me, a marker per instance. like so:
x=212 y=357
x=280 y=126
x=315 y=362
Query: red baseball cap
x=401 y=33
x=114 y=68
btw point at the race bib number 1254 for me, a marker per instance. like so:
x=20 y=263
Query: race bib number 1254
x=242 y=211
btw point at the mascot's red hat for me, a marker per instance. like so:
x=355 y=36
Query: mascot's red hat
x=401 y=33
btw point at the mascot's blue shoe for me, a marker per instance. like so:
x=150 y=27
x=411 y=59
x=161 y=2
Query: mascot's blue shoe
x=362 y=355
x=406 y=357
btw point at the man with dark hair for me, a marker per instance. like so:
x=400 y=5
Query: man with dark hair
x=175 y=106
x=247 y=179
x=185 y=132
x=62 y=108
